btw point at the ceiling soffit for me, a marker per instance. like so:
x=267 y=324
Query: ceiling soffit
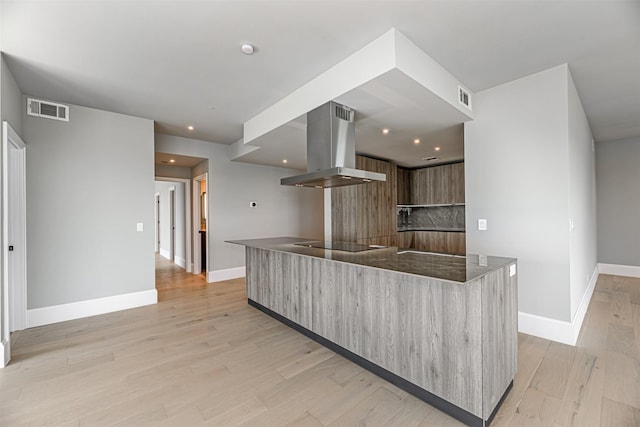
x=390 y=83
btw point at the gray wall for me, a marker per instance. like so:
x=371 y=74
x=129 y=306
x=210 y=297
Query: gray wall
x=11 y=98
x=163 y=188
x=516 y=176
x=89 y=181
x=167 y=171
x=583 y=254
x=618 y=187
x=200 y=169
x=281 y=211
x=10 y=110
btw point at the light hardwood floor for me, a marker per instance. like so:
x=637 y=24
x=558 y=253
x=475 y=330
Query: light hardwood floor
x=202 y=356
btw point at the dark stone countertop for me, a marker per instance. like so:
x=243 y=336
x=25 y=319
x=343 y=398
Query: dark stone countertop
x=452 y=268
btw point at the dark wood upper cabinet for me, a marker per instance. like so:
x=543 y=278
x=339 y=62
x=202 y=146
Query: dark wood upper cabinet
x=366 y=213
x=437 y=185
x=404 y=186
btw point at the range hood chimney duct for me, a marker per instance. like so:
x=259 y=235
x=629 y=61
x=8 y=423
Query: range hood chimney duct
x=331 y=151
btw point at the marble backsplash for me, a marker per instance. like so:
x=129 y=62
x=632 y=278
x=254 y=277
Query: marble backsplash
x=429 y=218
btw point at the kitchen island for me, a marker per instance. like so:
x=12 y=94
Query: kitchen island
x=441 y=327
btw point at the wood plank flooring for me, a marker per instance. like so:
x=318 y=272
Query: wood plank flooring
x=202 y=356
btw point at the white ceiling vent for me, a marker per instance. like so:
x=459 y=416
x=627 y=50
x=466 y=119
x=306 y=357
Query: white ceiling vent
x=464 y=97
x=49 y=110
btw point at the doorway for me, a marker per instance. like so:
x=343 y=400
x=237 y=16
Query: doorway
x=201 y=224
x=14 y=239
x=173 y=221
x=174 y=169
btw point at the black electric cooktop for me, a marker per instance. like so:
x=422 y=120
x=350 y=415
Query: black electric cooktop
x=339 y=246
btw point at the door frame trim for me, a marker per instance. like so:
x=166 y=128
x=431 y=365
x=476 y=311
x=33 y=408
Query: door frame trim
x=172 y=223
x=156 y=226
x=14 y=307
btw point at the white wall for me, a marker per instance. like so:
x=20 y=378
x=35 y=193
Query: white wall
x=516 y=176
x=281 y=210
x=163 y=187
x=618 y=188
x=89 y=182
x=583 y=254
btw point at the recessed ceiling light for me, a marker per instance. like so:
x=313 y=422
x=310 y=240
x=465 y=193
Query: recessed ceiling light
x=190 y=127
x=247 y=49
x=385 y=131
x=437 y=148
x=284 y=160
x=416 y=141
x=172 y=161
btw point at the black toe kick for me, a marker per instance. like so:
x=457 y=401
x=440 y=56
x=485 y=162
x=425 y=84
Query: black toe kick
x=437 y=402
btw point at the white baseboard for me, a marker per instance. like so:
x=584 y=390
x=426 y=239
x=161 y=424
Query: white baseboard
x=559 y=330
x=165 y=254
x=5 y=350
x=226 y=274
x=181 y=262
x=80 y=309
x=619 y=270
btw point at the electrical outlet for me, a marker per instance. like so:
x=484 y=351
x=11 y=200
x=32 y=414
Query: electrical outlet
x=482 y=224
x=140 y=226
x=482 y=261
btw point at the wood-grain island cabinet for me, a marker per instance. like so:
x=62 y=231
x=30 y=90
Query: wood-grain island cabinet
x=443 y=328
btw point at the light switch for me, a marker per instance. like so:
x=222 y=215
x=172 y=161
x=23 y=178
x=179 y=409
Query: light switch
x=482 y=224
x=512 y=270
x=140 y=226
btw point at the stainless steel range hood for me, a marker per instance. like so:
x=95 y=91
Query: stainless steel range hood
x=331 y=151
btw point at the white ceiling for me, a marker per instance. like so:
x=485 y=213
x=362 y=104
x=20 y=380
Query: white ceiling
x=179 y=62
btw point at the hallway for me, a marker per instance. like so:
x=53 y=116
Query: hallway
x=170 y=276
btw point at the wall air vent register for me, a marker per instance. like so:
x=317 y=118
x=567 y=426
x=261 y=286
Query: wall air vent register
x=48 y=110
x=464 y=97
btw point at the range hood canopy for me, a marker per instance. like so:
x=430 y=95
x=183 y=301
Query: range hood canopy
x=331 y=152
